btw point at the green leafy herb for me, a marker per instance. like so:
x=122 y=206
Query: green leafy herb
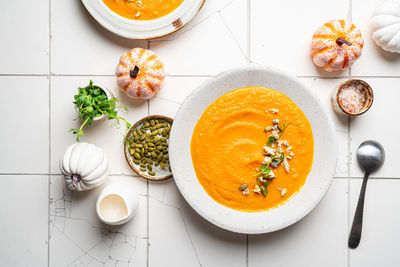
x=272 y=139
x=92 y=102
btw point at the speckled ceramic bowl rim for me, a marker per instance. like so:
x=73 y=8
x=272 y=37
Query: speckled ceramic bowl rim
x=370 y=96
x=299 y=205
x=126 y=152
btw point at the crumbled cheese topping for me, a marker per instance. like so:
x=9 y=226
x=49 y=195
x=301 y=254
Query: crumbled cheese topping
x=286 y=166
x=139 y=3
x=275 y=134
x=137 y=14
x=276 y=121
x=283 y=191
x=246 y=192
x=269 y=151
x=266 y=160
x=257 y=189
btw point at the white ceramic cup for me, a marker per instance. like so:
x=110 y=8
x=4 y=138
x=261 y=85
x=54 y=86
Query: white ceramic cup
x=129 y=197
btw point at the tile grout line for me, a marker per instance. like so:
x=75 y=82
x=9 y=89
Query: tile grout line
x=349 y=17
x=196 y=75
x=49 y=170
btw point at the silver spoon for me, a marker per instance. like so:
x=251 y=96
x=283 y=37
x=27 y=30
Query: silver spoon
x=370 y=155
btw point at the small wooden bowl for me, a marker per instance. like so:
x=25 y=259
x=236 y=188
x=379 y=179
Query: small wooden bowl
x=129 y=158
x=336 y=92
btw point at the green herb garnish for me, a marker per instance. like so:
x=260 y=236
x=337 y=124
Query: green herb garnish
x=272 y=139
x=92 y=102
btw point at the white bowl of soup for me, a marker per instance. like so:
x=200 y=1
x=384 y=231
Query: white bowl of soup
x=252 y=150
x=143 y=19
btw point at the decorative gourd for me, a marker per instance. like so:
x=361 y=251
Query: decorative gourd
x=336 y=45
x=84 y=166
x=140 y=73
x=385 y=24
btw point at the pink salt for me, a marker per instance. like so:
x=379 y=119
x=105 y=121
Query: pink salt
x=352 y=98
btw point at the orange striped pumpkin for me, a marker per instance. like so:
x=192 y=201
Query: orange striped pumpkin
x=140 y=73
x=336 y=45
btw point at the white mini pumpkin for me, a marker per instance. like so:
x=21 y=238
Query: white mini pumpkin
x=385 y=24
x=84 y=166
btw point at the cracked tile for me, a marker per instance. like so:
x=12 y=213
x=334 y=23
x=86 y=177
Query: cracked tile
x=197 y=241
x=281 y=36
x=176 y=89
x=102 y=134
x=182 y=52
x=79 y=229
x=23 y=221
x=99 y=49
x=320 y=239
x=164 y=107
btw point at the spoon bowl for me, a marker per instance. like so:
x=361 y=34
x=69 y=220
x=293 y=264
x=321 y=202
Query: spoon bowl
x=370 y=155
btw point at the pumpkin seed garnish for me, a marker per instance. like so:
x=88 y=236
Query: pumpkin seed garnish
x=242 y=187
x=148 y=145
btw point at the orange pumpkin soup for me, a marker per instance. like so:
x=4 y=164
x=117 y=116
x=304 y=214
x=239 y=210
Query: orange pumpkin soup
x=228 y=149
x=142 y=9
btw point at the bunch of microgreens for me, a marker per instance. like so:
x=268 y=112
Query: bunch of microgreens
x=265 y=169
x=92 y=102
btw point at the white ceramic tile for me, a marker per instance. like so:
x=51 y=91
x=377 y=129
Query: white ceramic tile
x=176 y=89
x=320 y=239
x=102 y=134
x=24 y=138
x=206 y=46
x=78 y=237
x=379 y=123
x=25 y=37
x=281 y=32
x=374 y=61
x=164 y=107
x=196 y=242
x=23 y=223
x=380 y=234
x=79 y=45
x=323 y=88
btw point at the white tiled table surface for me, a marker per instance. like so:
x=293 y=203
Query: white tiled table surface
x=49 y=48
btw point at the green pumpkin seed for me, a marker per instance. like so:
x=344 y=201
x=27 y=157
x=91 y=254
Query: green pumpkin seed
x=149 y=167
x=137 y=156
x=152 y=173
x=162 y=165
x=150 y=144
x=157 y=163
x=242 y=187
x=142 y=169
x=137 y=162
x=152 y=122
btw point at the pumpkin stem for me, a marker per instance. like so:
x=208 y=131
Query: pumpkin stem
x=75 y=179
x=133 y=73
x=341 y=41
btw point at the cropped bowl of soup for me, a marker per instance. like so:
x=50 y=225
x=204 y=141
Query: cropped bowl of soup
x=143 y=19
x=252 y=150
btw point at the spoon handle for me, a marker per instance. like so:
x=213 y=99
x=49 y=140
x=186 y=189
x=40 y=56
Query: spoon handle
x=356 y=228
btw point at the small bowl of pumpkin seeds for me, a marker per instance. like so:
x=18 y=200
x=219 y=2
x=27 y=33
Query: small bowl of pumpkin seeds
x=146 y=147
